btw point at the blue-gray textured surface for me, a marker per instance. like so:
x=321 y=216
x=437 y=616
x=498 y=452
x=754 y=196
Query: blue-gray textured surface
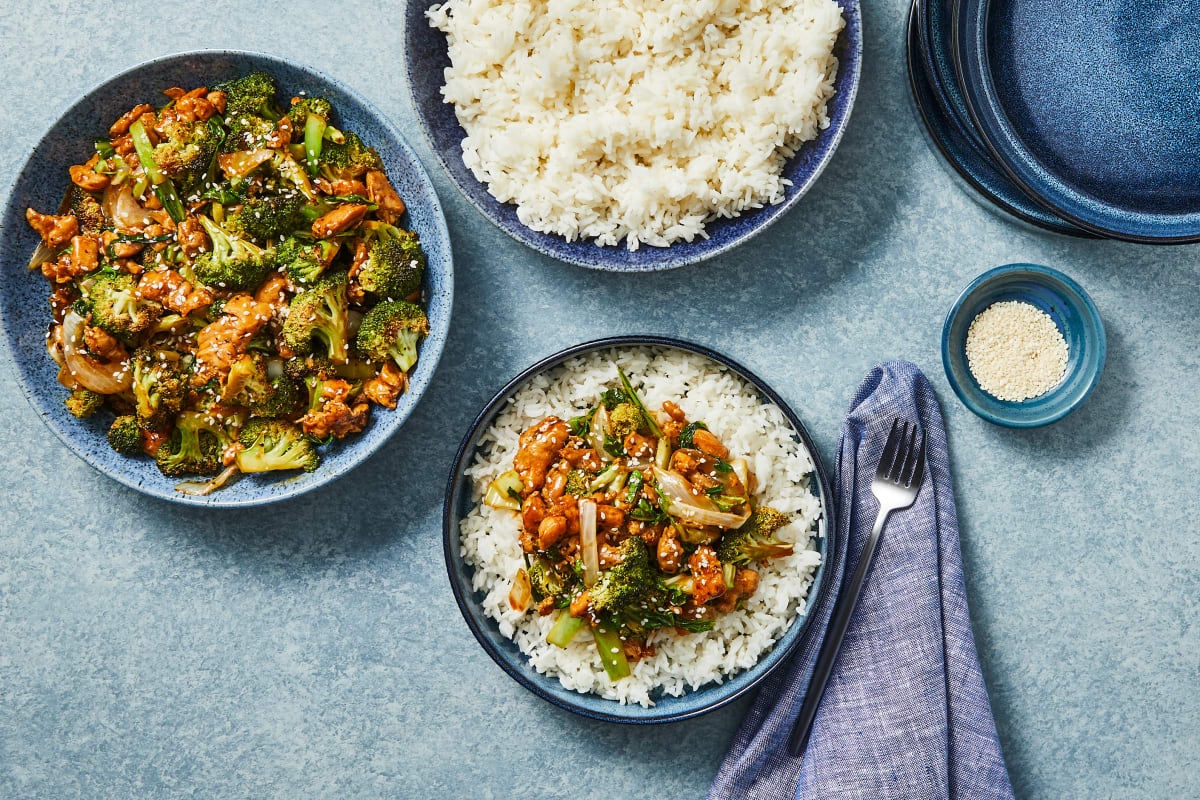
x=313 y=649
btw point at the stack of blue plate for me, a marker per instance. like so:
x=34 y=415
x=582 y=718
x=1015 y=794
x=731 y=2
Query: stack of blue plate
x=1077 y=116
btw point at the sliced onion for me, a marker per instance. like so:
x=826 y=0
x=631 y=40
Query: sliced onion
x=587 y=542
x=243 y=162
x=54 y=345
x=120 y=206
x=201 y=488
x=684 y=503
x=597 y=431
x=521 y=594
x=106 y=378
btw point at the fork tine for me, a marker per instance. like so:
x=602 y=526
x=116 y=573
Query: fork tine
x=904 y=454
x=918 y=469
x=889 y=452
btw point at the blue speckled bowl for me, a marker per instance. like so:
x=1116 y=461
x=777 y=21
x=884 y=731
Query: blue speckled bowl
x=505 y=653
x=1091 y=109
x=41 y=184
x=969 y=164
x=1072 y=311
x=426 y=59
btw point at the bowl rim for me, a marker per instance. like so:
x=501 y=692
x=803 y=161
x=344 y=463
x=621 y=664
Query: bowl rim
x=1046 y=275
x=820 y=591
x=525 y=235
x=970 y=23
x=213 y=500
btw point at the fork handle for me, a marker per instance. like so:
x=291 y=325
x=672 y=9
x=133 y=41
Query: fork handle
x=798 y=740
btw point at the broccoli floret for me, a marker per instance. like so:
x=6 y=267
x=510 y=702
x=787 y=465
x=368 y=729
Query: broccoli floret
x=112 y=299
x=577 y=483
x=392 y=330
x=628 y=584
x=755 y=540
x=246 y=132
x=233 y=263
x=194 y=447
x=394 y=266
x=87 y=211
x=312 y=114
x=544 y=579
x=265 y=218
x=125 y=436
x=348 y=159
x=305 y=261
x=83 y=403
x=249 y=384
x=271 y=444
x=252 y=94
x=187 y=148
x=623 y=420
x=159 y=387
x=320 y=316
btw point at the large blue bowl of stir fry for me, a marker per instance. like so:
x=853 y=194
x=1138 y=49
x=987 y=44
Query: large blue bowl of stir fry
x=658 y=540
x=239 y=278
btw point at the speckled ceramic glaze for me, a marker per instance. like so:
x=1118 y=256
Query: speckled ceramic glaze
x=969 y=163
x=426 y=59
x=41 y=183
x=1073 y=312
x=935 y=21
x=1091 y=107
x=505 y=653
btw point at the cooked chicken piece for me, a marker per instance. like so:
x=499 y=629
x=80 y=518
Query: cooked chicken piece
x=103 y=344
x=169 y=288
x=121 y=126
x=55 y=231
x=336 y=416
x=536 y=451
x=340 y=220
x=386 y=387
x=221 y=342
x=707 y=574
x=380 y=192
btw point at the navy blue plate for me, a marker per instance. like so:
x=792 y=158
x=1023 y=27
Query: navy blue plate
x=1072 y=311
x=426 y=59
x=506 y=654
x=968 y=163
x=41 y=184
x=935 y=19
x=1091 y=107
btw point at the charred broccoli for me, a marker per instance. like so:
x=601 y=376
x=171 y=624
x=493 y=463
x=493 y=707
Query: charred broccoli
x=159 y=387
x=194 y=447
x=111 y=298
x=271 y=444
x=627 y=585
x=623 y=420
x=249 y=384
x=125 y=436
x=577 y=483
x=394 y=265
x=83 y=403
x=246 y=132
x=755 y=540
x=265 y=218
x=305 y=261
x=187 y=147
x=544 y=579
x=233 y=263
x=392 y=330
x=252 y=94
x=320 y=316
x=87 y=211
x=349 y=159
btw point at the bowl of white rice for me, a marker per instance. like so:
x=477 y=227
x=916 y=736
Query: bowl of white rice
x=630 y=137
x=688 y=673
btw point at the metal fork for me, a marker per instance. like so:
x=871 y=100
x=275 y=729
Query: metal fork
x=896 y=484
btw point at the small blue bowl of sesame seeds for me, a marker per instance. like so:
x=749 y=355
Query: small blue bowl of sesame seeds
x=1023 y=345
x=40 y=184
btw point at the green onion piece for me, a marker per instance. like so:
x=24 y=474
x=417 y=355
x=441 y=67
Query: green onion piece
x=637 y=401
x=314 y=133
x=170 y=200
x=145 y=152
x=564 y=629
x=636 y=479
x=105 y=148
x=612 y=654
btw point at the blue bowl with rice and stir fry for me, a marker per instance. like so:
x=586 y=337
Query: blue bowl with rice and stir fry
x=636 y=528
x=249 y=275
